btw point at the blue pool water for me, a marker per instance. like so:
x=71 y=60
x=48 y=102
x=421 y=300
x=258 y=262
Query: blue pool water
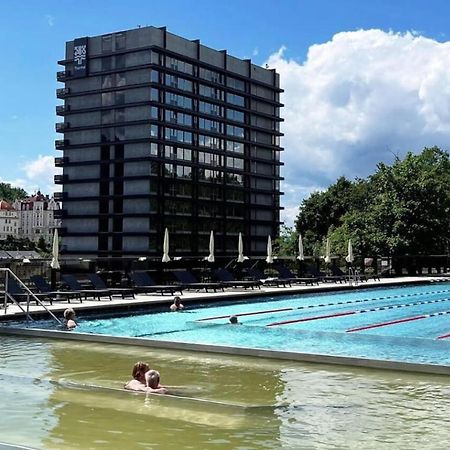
x=316 y=323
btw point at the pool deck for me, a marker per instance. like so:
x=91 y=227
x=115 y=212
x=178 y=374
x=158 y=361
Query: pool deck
x=143 y=300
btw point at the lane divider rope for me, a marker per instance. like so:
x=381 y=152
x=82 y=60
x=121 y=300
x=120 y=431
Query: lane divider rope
x=395 y=322
x=321 y=305
x=358 y=311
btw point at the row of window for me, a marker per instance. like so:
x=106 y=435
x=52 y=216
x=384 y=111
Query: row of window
x=176 y=135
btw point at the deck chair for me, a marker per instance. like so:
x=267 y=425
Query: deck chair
x=188 y=280
x=227 y=279
x=44 y=288
x=257 y=274
x=286 y=274
x=99 y=284
x=144 y=283
x=339 y=275
x=74 y=285
x=20 y=294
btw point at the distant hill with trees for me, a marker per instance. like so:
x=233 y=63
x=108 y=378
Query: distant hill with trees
x=403 y=208
x=10 y=193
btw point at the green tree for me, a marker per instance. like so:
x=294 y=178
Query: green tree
x=9 y=193
x=402 y=208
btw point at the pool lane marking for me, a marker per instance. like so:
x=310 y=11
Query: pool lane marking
x=357 y=311
x=395 y=322
x=253 y=313
x=444 y=336
x=321 y=305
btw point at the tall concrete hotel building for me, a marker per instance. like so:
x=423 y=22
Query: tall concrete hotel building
x=160 y=131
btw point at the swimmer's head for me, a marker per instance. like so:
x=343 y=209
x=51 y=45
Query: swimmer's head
x=69 y=314
x=233 y=320
x=177 y=301
x=152 y=378
x=139 y=369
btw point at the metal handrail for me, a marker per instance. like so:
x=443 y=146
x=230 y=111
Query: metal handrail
x=9 y=272
x=353 y=276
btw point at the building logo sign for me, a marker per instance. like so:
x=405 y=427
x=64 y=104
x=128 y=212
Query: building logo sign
x=80 y=55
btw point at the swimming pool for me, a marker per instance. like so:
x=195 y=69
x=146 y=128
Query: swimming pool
x=59 y=394
x=402 y=324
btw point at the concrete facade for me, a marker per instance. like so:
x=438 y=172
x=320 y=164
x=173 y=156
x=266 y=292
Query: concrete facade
x=160 y=131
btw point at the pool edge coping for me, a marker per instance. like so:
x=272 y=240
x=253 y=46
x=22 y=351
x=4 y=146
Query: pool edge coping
x=434 y=369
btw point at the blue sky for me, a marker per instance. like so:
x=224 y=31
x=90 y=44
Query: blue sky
x=32 y=36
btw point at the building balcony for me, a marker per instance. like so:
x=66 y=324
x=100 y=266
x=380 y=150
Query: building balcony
x=62 y=92
x=59 y=197
x=62 y=75
x=60 y=179
x=61 y=143
x=61 y=126
x=62 y=109
x=59 y=214
x=61 y=161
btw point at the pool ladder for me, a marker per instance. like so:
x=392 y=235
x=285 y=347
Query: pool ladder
x=30 y=296
x=353 y=277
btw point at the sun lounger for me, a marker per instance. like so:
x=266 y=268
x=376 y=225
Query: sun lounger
x=20 y=294
x=188 y=280
x=99 y=284
x=286 y=274
x=227 y=279
x=44 y=288
x=75 y=286
x=144 y=283
x=256 y=274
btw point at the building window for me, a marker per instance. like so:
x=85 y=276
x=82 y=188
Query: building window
x=107 y=63
x=232 y=130
x=180 y=66
x=236 y=84
x=235 y=99
x=234 y=178
x=235 y=147
x=154 y=95
x=179 y=83
x=107 y=43
x=120 y=97
x=209 y=142
x=154 y=112
x=154 y=149
x=154 y=131
x=121 y=79
x=178 y=100
x=120 y=115
x=209 y=125
x=154 y=76
x=235 y=163
x=173 y=134
x=120 y=41
x=107 y=98
x=209 y=159
x=179 y=153
x=211 y=92
x=178 y=118
x=210 y=108
x=237 y=116
x=210 y=75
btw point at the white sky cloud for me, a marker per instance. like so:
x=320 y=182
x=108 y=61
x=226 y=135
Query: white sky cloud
x=38 y=175
x=355 y=101
x=50 y=20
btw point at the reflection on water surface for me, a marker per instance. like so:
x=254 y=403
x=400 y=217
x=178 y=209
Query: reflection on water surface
x=68 y=394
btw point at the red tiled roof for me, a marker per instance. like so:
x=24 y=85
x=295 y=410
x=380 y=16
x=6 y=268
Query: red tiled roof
x=5 y=206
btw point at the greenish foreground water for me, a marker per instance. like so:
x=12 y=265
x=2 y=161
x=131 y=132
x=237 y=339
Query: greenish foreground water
x=61 y=394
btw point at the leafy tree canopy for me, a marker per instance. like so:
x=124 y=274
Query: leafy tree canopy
x=9 y=193
x=402 y=208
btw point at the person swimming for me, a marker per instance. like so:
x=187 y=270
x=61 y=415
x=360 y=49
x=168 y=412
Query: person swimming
x=70 y=316
x=176 y=305
x=145 y=379
x=234 y=320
